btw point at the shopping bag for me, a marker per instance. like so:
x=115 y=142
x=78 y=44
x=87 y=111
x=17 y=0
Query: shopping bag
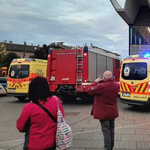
x=64 y=134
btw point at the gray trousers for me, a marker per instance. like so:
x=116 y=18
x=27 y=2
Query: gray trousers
x=108 y=127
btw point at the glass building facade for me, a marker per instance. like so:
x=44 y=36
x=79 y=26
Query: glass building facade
x=139 y=39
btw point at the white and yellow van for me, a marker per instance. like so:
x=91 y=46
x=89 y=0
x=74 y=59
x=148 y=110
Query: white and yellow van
x=21 y=72
x=135 y=80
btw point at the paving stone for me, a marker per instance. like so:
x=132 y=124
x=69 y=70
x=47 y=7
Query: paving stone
x=143 y=145
x=125 y=131
x=119 y=118
x=75 y=130
x=76 y=136
x=94 y=121
x=128 y=114
x=12 y=145
x=76 y=143
x=135 y=137
x=99 y=126
x=125 y=145
x=132 y=131
x=140 y=126
x=77 y=149
x=118 y=125
x=95 y=144
x=147 y=119
x=91 y=126
x=122 y=149
x=138 y=114
x=118 y=137
x=142 y=122
x=133 y=118
x=142 y=131
x=79 y=125
x=126 y=122
x=84 y=136
x=71 y=121
x=94 y=149
x=92 y=130
x=80 y=143
x=97 y=137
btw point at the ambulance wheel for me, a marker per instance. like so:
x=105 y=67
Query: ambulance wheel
x=68 y=98
x=21 y=98
x=135 y=106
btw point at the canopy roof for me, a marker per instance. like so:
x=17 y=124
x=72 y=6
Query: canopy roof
x=131 y=9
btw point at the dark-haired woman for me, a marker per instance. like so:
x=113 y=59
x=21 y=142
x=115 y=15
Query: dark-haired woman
x=39 y=127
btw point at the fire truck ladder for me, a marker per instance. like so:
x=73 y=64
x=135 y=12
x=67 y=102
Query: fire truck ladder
x=79 y=74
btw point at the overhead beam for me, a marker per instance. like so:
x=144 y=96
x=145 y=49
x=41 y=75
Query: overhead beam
x=129 y=12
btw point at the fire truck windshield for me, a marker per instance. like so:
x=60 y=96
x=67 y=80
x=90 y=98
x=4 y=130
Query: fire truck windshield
x=19 y=71
x=134 y=71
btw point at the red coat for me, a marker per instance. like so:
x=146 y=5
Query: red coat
x=42 y=132
x=105 y=99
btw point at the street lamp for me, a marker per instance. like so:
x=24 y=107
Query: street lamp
x=24 y=49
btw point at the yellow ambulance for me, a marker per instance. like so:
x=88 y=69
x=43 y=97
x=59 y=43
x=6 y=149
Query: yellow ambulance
x=135 y=80
x=20 y=74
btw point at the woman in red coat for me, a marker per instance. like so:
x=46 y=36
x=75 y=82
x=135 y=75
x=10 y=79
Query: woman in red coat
x=39 y=127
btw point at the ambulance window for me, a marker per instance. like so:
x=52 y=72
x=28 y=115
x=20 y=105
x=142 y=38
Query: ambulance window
x=19 y=71
x=134 y=71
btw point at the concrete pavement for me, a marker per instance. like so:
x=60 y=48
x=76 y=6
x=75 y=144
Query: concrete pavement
x=132 y=129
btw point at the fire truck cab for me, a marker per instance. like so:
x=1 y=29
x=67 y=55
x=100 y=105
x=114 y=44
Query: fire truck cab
x=135 y=80
x=70 y=71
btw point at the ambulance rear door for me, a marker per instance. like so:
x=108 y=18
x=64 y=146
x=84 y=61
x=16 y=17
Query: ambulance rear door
x=134 y=80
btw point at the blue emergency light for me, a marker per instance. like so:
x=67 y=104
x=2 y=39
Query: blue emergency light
x=85 y=49
x=49 y=51
x=147 y=55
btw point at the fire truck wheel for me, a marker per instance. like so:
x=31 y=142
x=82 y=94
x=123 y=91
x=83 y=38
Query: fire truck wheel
x=68 y=98
x=21 y=98
x=89 y=99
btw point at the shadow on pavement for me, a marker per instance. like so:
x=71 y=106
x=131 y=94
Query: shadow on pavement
x=138 y=108
x=78 y=102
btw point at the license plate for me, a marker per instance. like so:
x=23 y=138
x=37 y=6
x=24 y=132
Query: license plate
x=12 y=90
x=126 y=94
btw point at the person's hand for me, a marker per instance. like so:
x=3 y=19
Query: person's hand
x=98 y=79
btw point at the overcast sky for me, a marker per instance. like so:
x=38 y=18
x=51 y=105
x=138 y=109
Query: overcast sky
x=75 y=22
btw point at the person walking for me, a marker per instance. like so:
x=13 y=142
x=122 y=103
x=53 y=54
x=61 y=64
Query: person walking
x=105 y=107
x=40 y=129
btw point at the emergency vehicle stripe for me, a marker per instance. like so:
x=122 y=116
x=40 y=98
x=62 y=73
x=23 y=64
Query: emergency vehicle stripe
x=142 y=88
x=137 y=88
x=146 y=91
x=123 y=87
x=120 y=88
x=127 y=88
x=20 y=85
x=146 y=87
x=13 y=85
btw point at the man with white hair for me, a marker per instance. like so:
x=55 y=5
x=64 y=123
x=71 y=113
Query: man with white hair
x=105 y=107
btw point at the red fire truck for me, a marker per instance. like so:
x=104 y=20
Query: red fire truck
x=70 y=71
